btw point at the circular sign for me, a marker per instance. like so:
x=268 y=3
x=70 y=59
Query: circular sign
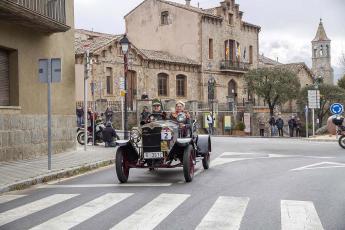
x=337 y=108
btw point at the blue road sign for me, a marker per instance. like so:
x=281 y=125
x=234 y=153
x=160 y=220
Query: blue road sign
x=337 y=108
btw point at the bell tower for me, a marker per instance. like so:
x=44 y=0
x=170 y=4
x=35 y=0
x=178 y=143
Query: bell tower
x=321 y=50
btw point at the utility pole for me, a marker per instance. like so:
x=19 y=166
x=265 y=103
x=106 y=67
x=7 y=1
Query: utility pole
x=86 y=76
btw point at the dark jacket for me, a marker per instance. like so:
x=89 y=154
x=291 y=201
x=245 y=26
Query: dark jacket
x=144 y=116
x=108 y=113
x=292 y=123
x=108 y=134
x=279 y=123
x=272 y=121
x=80 y=112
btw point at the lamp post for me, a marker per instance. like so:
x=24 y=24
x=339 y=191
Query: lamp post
x=211 y=86
x=125 y=45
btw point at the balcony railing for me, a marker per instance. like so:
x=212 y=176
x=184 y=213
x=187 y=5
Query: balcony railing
x=54 y=9
x=228 y=65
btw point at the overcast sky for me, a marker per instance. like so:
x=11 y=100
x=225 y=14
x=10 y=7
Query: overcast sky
x=288 y=26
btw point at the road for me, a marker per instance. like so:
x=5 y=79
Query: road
x=253 y=183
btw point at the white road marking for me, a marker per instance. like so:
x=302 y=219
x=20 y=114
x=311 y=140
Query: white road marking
x=326 y=165
x=75 y=216
x=7 y=198
x=221 y=161
x=149 y=216
x=30 y=208
x=299 y=215
x=226 y=213
x=105 y=185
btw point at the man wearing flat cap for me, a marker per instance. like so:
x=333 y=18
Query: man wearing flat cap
x=157 y=112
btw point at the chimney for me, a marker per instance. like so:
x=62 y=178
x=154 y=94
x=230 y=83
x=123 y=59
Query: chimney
x=188 y=2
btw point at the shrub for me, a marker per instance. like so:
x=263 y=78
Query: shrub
x=240 y=126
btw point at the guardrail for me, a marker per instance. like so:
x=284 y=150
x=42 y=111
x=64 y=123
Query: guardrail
x=54 y=9
x=234 y=65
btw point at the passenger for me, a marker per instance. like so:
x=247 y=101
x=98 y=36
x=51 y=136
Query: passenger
x=144 y=116
x=185 y=126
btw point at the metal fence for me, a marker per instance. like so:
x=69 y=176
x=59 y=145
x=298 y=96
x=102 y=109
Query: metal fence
x=54 y=9
x=101 y=106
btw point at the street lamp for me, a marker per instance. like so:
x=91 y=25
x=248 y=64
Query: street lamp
x=211 y=86
x=125 y=46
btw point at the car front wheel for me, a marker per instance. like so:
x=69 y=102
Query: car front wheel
x=188 y=163
x=121 y=165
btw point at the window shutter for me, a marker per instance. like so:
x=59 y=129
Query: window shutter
x=4 y=79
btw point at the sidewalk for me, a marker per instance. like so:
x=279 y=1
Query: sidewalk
x=24 y=173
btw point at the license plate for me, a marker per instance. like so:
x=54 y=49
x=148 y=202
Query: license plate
x=153 y=155
x=166 y=135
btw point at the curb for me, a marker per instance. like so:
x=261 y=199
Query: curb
x=65 y=173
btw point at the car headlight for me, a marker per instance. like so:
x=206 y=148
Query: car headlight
x=135 y=135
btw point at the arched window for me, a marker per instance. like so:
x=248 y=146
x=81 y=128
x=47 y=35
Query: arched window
x=327 y=50
x=181 y=86
x=321 y=50
x=232 y=89
x=163 y=84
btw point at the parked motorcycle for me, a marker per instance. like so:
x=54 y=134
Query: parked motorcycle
x=338 y=121
x=99 y=126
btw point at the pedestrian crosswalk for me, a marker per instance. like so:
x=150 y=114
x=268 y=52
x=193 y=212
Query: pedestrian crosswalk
x=225 y=212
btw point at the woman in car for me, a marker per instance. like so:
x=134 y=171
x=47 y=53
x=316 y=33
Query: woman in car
x=184 y=126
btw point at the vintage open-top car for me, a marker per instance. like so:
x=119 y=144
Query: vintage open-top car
x=163 y=144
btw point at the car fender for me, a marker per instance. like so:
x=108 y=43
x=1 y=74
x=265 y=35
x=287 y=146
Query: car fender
x=183 y=142
x=130 y=150
x=204 y=143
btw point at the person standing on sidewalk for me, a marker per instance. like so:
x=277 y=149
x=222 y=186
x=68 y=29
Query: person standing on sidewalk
x=262 y=127
x=280 y=125
x=109 y=114
x=272 y=123
x=292 y=125
x=80 y=115
x=298 y=127
x=210 y=122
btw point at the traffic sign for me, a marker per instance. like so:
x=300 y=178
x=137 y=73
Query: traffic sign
x=314 y=99
x=337 y=108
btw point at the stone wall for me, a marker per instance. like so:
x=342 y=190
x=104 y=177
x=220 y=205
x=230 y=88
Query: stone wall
x=25 y=136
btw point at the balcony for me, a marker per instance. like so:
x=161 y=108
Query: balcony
x=43 y=15
x=234 y=66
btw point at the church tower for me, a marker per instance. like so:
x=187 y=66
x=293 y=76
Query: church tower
x=321 y=48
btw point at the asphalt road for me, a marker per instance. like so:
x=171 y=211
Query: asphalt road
x=266 y=184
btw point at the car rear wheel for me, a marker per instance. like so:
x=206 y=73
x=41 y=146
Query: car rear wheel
x=188 y=163
x=121 y=165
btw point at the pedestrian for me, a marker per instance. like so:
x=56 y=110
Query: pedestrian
x=272 y=123
x=144 y=116
x=144 y=96
x=108 y=135
x=262 y=127
x=280 y=126
x=80 y=115
x=108 y=114
x=292 y=125
x=210 y=122
x=298 y=127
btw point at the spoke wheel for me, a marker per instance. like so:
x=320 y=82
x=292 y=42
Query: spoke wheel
x=121 y=165
x=188 y=163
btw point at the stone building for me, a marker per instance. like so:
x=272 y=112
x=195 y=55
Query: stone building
x=157 y=73
x=321 y=53
x=217 y=39
x=31 y=30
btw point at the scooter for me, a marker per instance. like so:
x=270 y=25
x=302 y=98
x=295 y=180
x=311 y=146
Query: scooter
x=99 y=126
x=338 y=121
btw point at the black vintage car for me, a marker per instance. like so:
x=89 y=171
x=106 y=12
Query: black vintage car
x=163 y=144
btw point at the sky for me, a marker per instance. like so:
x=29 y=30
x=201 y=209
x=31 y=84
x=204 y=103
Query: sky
x=287 y=26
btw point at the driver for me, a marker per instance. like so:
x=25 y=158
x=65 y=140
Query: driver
x=157 y=113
